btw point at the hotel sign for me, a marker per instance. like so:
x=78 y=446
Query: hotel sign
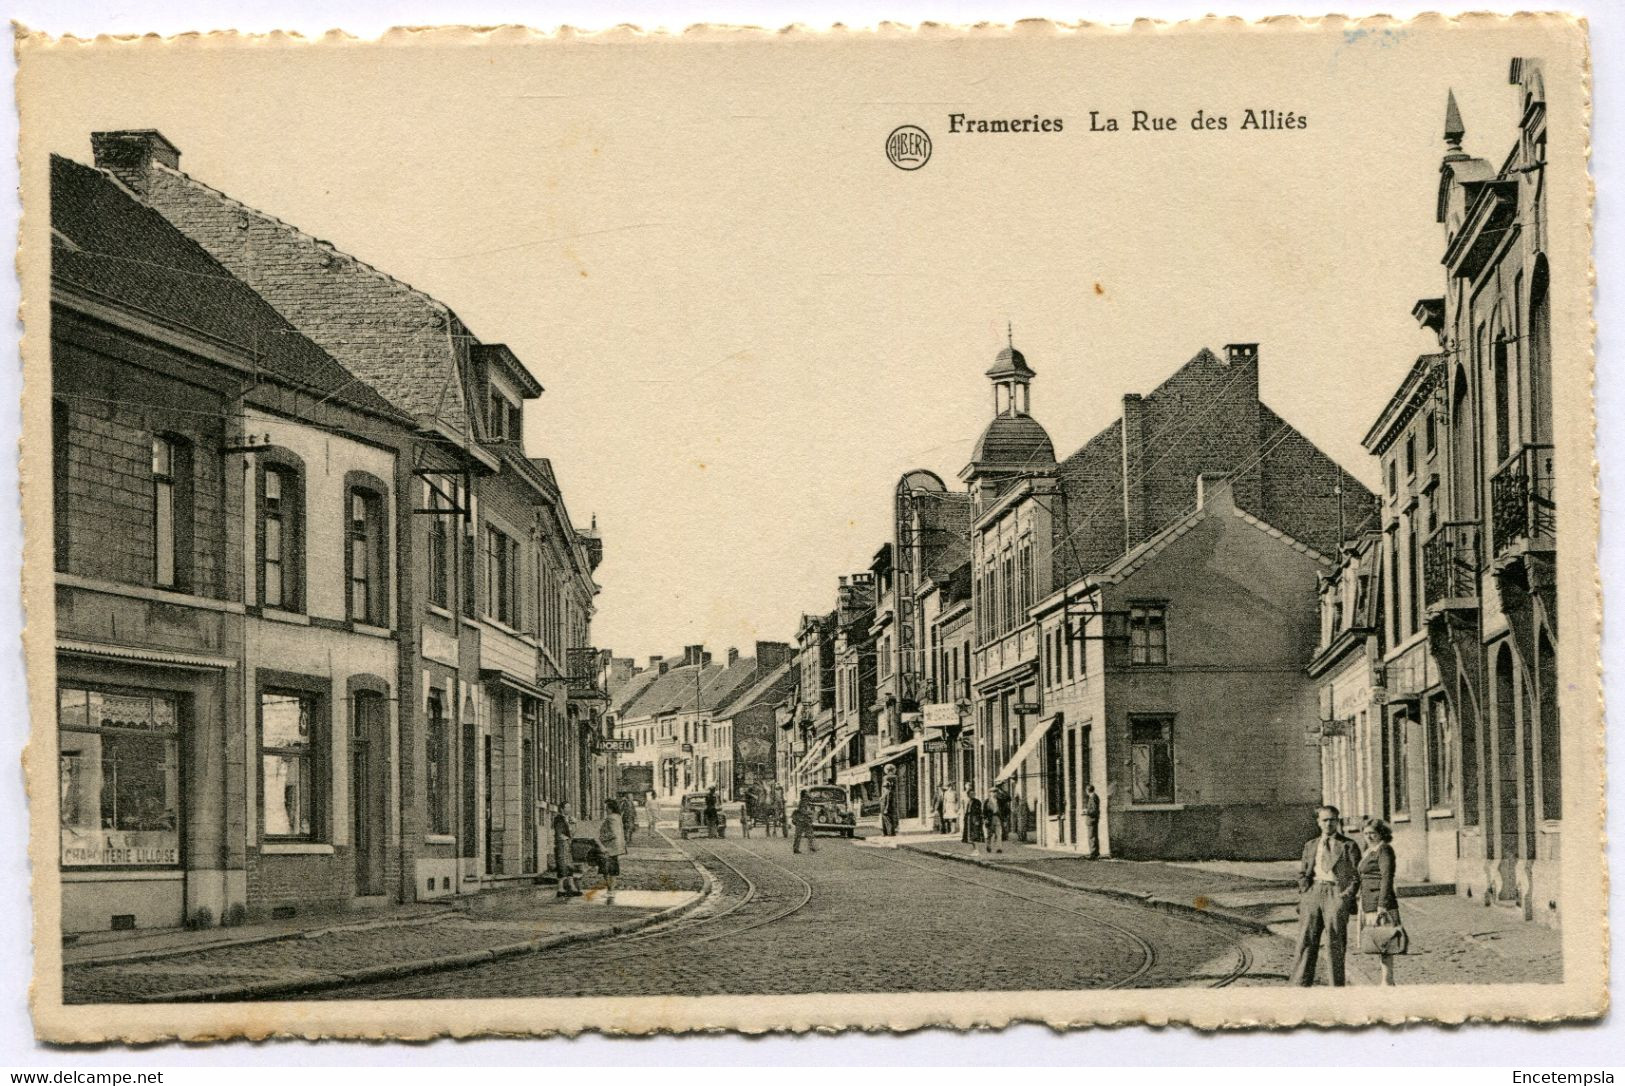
x=940 y=714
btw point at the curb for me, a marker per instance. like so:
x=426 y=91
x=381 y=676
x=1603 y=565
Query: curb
x=1174 y=908
x=393 y=970
x=258 y=940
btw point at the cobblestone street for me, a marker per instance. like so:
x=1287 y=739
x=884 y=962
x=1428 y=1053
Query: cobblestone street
x=856 y=919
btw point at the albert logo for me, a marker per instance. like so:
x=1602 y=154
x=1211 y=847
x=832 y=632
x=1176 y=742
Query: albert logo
x=908 y=147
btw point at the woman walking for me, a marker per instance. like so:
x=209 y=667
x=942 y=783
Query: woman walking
x=993 y=822
x=973 y=831
x=950 y=809
x=563 y=833
x=1379 y=905
x=611 y=847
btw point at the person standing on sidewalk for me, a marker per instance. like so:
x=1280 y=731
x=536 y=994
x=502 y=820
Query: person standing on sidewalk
x=1001 y=795
x=1378 y=902
x=1328 y=881
x=803 y=821
x=1091 y=820
x=563 y=833
x=992 y=823
x=611 y=847
x=950 y=809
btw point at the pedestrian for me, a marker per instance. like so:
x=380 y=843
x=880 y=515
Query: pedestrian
x=629 y=818
x=888 y=803
x=713 y=815
x=992 y=823
x=563 y=835
x=1328 y=882
x=950 y=809
x=1001 y=795
x=936 y=807
x=1379 y=905
x=611 y=847
x=1091 y=819
x=973 y=832
x=803 y=821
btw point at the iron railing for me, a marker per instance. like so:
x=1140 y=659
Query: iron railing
x=1450 y=564
x=1523 y=509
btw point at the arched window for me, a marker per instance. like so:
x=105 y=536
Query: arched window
x=1501 y=374
x=1463 y=454
x=280 y=531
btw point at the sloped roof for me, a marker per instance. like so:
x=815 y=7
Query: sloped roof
x=674 y=692
x=108 y=243
x=631 y=691
x=394 y=337
x=769 y=687
x=1132 y=561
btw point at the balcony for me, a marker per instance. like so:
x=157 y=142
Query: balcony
x=1450 y=567
x=1523 y=510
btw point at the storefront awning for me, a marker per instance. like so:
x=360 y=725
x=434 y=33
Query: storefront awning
x=823 y=760
x=1023 y=752
x=858 y=774
x=817 y=749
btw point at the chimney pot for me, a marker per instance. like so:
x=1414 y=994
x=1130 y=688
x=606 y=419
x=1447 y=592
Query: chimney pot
x=1240 y=352
x=1209 y=485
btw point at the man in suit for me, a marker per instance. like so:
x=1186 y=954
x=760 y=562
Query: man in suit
x=1328 y=880
x=1091 y=819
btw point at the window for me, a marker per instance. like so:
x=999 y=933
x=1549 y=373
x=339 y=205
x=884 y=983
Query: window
x=437 y=763
x=1152 y=740
x=171 y=522
x=1441 y=755
x=364 y=558
x=502 y=418
x=119 y=772
x=288 y=794
x=1393 y=583
x=1148 y=634
x=1410 y=456
x=501 y=576
x=1393 y=477
x=280 y=526
x=1399 y=768
x=439 y=562
x=1067 y=633
x=1413 y=565
x=1430 y=433
x=61 y=467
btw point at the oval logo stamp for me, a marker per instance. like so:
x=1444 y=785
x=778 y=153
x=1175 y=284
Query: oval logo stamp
x=908 y=147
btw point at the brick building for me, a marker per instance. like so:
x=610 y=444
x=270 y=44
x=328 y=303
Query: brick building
x=1137 y=607
x=500 y=708
x=227 y=531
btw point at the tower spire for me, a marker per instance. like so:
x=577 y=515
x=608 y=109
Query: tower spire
x=1454 y=130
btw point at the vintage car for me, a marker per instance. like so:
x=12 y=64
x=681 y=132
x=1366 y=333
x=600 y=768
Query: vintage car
x=691 y=818
x=832 y=812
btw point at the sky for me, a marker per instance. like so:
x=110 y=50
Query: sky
x=749 y=324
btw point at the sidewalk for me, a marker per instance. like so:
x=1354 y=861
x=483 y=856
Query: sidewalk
x=282 y=959
x=1453 y=940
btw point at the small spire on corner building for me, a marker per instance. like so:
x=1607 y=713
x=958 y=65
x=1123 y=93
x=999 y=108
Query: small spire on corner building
x=1454 y=130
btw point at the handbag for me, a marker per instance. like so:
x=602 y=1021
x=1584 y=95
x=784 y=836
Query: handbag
x=1384 y=939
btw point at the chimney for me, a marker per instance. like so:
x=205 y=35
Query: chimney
x=1235 y=353
x=705 y=658
x=129 y=155
x=654 y=662
x=661 y=664
x=771 y=655
x=733 y=656
x=1211 y=486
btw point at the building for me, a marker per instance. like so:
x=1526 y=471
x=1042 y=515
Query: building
x=1143 y=610
x=1348 y=665
x=856 y=729
x=228 y=531
x=495 y=727
x=807 y=730
x=745 y=733
x=1488 y=569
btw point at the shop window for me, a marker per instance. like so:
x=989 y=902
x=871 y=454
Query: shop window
x=290 y=767
x=119 y=779
x=281 y=538
x=1148 y=635
x=364 y=557
x=437 y=763
x=1152 y=759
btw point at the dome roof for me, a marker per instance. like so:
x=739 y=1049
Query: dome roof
x=1010 y=363
x=1014 y=441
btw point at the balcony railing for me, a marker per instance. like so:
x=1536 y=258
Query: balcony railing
x=1450 y=565
x=1522 y=506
